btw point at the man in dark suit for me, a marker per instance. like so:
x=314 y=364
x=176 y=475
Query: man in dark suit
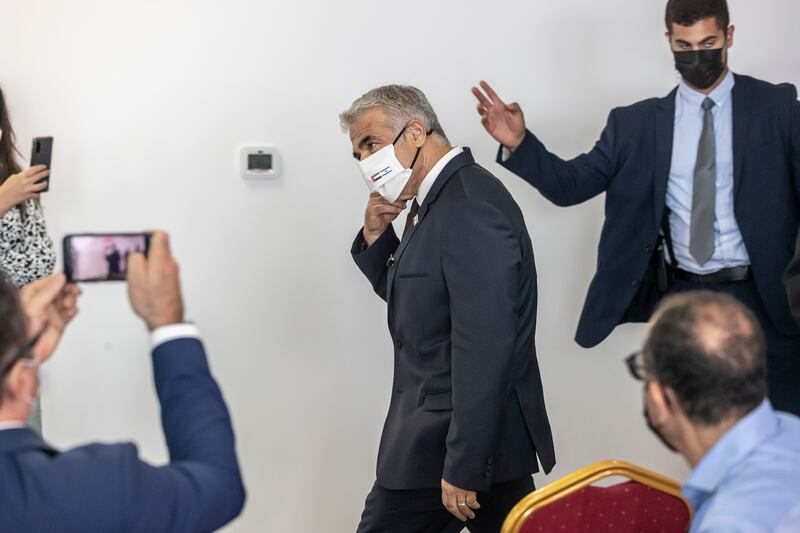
x=102 y=488
x=702 y=190
x=467 y=417
x=112 y=258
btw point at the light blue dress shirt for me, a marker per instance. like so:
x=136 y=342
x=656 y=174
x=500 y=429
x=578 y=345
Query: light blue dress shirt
x=729 y=249
x=749 y=482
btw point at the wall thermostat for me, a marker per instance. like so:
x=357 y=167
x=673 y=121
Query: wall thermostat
x=260 y=162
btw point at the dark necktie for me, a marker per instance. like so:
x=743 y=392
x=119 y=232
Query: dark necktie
x=704 y=195
x=411 y=215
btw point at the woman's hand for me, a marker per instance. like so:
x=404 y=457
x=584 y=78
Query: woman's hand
x=19 y=188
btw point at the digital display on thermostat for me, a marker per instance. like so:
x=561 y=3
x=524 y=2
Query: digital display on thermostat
x=259 y=161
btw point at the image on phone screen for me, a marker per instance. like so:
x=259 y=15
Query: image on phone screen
x=101 y=257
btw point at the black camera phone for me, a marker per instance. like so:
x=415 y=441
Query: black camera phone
x=42 y=154
x=101 y=256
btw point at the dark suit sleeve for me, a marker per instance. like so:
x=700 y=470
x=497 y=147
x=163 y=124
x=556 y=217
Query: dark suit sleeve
x=109 y=488
x=795 y=141
x=792 y=276
x=201 y=488
x=565 y=183
x=481 y=261
x=792 y=281
x=372 y=261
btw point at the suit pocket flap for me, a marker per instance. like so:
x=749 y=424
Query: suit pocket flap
x=438 y=401
x=412 y=275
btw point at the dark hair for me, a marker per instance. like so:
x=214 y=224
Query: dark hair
x=13 y=332
x=8 y=148
x=690 y=12
x=710 y=350
x=8 y=161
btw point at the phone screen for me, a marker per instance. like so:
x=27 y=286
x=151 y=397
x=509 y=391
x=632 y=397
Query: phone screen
x=101 y=257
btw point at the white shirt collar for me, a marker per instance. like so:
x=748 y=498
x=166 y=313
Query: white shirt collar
x=430 y=178
x=11 y=425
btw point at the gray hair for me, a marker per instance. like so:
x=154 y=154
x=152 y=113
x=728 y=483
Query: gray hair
x=402 y=103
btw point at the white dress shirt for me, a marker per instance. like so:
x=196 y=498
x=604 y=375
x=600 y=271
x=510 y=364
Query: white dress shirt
x=729 y=249
x=158 y=337
x=172 y=332
x=433 y=173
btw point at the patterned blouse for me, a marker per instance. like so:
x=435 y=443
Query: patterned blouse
x=27 y=252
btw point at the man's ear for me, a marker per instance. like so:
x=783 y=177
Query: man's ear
x=729 y=35
x=415 y=130
x=16 y=383
x=672 y=401
x=659 y=402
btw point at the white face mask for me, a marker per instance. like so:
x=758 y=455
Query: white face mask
x=36 y=366
x=384 y=174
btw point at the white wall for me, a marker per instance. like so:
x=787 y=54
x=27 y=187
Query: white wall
x=149 y=101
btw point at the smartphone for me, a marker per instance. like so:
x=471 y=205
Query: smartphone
x=41 y=154
x=101 y=256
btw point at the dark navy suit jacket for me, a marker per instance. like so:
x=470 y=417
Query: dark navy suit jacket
x=107 y=488
x=631 y=164
x=467 y=402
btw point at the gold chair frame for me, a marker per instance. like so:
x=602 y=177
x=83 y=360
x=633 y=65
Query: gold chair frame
x=583 y=478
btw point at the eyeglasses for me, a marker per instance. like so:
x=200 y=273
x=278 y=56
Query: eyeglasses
x=636 y=366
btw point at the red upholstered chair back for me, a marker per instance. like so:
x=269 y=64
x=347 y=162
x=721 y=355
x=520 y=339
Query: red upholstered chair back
x=628 y=507
x=648 y=502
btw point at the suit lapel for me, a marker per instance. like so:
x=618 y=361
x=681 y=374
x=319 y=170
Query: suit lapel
x=741 y=127
x=457 y=163
x=665 y=130
x=461 y=160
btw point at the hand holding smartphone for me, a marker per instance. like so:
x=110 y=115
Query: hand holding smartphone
x=91 y=257
x=42 y=154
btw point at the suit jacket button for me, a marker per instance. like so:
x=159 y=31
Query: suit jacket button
x=635 y=283
x=398 y=344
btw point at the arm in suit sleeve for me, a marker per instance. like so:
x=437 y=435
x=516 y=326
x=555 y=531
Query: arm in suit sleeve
x=372 y=261
x=795 y=141
x=481 y=261
x=565 y=183
x=201 y=488
x=109 y=488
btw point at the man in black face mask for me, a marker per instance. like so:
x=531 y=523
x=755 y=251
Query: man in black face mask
x=703 y=190
x=703 y=365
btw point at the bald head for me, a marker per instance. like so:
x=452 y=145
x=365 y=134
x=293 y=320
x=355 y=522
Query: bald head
x=709 y=349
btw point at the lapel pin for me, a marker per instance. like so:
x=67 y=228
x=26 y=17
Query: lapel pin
x=416 y=219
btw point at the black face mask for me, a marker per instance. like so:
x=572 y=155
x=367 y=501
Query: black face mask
x=700 y=68
x=658 y=433
x=652 y=426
